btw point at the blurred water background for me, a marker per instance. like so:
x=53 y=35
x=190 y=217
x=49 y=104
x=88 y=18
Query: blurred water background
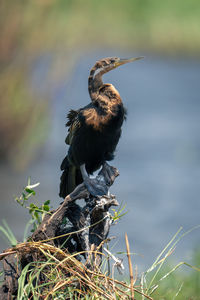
x=46 y=50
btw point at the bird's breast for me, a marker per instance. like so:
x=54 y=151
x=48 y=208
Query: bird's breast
x=100 y=119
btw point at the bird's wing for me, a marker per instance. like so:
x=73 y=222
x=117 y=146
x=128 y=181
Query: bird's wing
x=73 y=123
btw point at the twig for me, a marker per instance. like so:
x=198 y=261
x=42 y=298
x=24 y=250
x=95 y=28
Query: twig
x=130 y=266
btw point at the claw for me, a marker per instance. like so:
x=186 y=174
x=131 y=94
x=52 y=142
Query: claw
x=95 y=187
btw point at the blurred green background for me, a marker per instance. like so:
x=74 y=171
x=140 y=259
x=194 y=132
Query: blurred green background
x=62 y=31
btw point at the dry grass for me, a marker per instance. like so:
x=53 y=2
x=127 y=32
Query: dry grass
x=55 y=273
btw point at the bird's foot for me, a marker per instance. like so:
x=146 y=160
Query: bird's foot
x=95 y=187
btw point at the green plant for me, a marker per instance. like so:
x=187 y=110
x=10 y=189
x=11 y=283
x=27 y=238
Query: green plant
x=152 y=279
x=7 y=232
x=118 y=214
x=37 y=212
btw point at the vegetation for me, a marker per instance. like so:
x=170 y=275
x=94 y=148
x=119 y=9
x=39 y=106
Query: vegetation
x=41 y=40
x=181 y=284
x=61 y=275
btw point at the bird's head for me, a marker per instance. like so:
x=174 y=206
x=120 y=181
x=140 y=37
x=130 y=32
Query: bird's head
x=110 y=63
x=101 y=67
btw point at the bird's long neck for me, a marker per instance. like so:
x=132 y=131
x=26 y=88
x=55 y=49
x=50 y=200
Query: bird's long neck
x=95 y=81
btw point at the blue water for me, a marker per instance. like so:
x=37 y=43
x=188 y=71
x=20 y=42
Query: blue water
x=158 y=155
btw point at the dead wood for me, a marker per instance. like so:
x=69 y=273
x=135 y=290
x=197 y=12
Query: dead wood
x=70 y=226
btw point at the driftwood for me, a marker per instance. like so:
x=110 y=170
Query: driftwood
x=86 y=229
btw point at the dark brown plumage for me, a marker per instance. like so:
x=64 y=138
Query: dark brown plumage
x=95 y=129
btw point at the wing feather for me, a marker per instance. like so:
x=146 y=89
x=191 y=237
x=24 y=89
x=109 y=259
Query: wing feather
x=73 y=123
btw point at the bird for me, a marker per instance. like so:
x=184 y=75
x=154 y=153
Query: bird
x=94 y=130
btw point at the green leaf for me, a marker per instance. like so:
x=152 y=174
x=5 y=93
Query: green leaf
x=32 y=205
x=24 y=196
x=30 y=191
x=36 y=216
x=45 y=207
x=47 y=202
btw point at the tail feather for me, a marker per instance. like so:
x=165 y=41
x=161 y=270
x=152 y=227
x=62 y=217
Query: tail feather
x=65 y=163
x=70 y=178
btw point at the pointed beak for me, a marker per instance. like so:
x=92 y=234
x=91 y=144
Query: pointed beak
x=123 y=61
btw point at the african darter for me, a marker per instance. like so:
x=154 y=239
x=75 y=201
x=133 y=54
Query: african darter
x=94 y=130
